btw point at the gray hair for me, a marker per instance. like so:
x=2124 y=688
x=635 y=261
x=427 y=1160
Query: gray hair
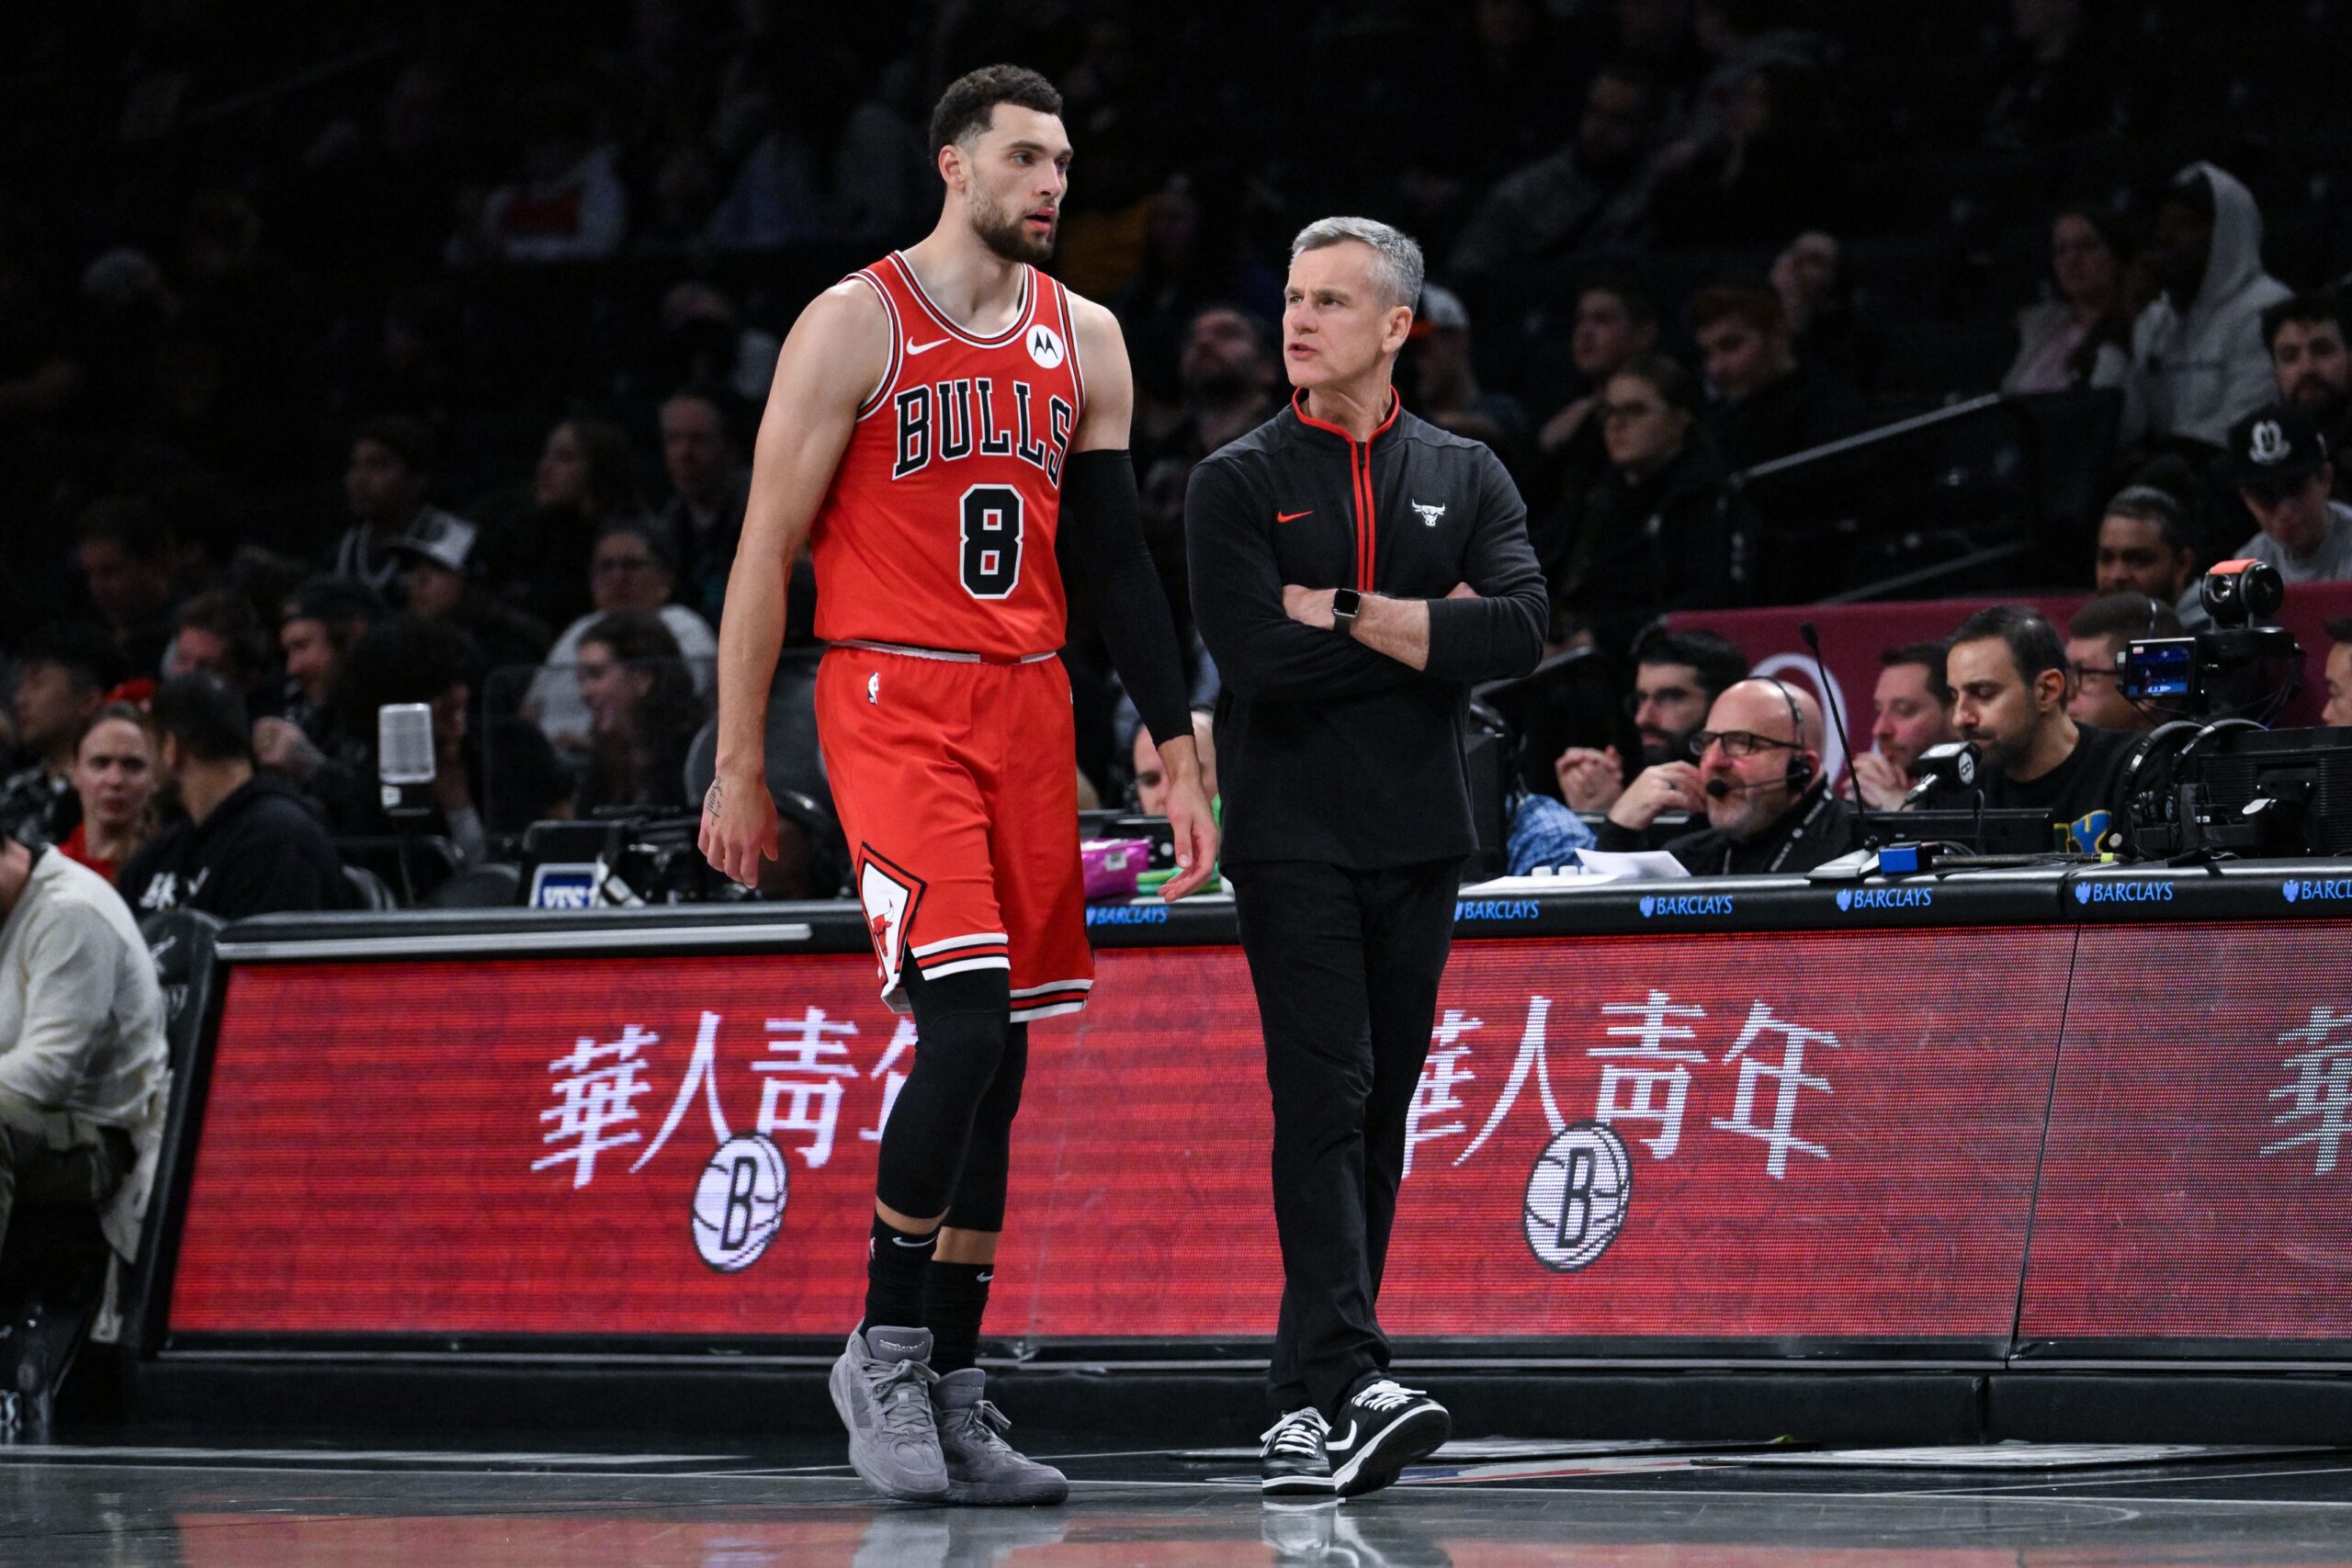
x=1399 y=268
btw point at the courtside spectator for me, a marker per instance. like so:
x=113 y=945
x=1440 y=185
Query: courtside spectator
x=1593 y=193
x=1816 y=294
x=2338 y=710
x=221 y=632
x=1778 y=167
x=1911 y=710
x=2280 y=467
x=2081 y=337
x=1770 y=405
x=1225 y=372
x=710 y=484
x=408 y=659
x=631 y=571
x=391 y=463
x=83 y=1075
x=64 y=673
x=2146 y=546
x=1677 y=677
x=567 y=202
x=1441 y=383
x=1758 y=780
x=250 y=843
x=1616 y=323
x=325 y=618
x=116 y=772
x=437 y=586
x=2055 y=78
x=1151 y=779
x=2309 y=363
x=126 y=552
x=2095 y=639
x=643 y=711
x=536 y=554
x=1649 y=537
x=2198 y=357
x=2010 y=680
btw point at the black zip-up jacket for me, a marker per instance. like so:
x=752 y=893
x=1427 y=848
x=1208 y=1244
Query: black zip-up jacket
x=1328 y=751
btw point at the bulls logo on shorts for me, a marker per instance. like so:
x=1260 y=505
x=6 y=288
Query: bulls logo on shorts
x=889 y=895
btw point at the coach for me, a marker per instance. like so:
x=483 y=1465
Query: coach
x=1355 y=570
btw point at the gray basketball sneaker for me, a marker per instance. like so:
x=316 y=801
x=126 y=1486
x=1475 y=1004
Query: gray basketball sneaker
x=882 y=1385
x=982 y=1466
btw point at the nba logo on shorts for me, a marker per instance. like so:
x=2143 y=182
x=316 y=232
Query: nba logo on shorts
x=739 y=1203
x=1044 y=345
x=1577 y=1195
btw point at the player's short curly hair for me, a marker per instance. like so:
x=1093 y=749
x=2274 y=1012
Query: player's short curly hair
x=964 y=108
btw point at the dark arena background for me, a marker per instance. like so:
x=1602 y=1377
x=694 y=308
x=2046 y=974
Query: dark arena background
x=388 y=377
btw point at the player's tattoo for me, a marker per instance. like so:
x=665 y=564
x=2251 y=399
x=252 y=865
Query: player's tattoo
x=715 y=801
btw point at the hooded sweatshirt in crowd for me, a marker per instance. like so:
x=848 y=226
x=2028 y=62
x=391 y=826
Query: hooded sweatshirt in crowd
x=261 y=852
x=2197 y=372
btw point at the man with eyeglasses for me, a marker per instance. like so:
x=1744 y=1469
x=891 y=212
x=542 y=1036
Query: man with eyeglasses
x=2095 y=639
x=1757 y=777
x=1676 y=675
x=2280 y=466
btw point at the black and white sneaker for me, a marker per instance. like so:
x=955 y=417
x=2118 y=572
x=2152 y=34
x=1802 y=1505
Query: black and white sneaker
x=1382 y=1427
x=1293 y=1464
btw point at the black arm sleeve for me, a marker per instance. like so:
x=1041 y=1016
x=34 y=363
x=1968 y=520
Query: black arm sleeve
x=1099 y=493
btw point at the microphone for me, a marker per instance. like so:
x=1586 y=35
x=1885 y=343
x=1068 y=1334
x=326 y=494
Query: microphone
x=1717 y=789
x=403 y=757
x=1956 y=763
x=1837 y=712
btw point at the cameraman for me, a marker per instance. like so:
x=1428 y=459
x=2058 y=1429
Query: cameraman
x=2011 y=681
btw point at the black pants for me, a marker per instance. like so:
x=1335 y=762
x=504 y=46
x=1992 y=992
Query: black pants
x=1346 y=966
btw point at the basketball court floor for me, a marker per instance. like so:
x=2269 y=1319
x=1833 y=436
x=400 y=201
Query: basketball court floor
x=163 y=1498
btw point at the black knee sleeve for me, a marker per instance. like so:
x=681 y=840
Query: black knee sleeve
x=960 y=1028
x=978 y=1203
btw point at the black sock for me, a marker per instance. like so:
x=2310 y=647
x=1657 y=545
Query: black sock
x=895 y=1262
x=954 y=1295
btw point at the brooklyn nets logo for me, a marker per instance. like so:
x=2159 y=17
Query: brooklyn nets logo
x=739 y=1203
x=1577 y=1195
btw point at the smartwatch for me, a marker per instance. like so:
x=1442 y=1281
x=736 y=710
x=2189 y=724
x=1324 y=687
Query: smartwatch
x=1345 y=605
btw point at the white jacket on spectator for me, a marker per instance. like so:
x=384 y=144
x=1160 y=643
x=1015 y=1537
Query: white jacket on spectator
x=2194 y=373
x=82 y=1020
x=554 y=703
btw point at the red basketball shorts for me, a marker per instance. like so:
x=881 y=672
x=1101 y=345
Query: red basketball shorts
x=956 y=783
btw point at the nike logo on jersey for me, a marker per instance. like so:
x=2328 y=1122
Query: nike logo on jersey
x=924 y=347
x=1293 y=516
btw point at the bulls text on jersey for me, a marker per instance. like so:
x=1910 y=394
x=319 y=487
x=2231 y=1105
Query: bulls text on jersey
x=948 y=419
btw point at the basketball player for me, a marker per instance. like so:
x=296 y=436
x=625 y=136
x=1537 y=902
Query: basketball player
x=937 y=418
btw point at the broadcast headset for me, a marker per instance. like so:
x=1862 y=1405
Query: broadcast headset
x=1800 y=773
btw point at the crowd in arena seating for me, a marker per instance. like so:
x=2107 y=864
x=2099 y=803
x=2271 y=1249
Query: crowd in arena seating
x=351 y=357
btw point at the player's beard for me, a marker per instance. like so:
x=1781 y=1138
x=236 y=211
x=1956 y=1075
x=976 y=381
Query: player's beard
x=1006 y=232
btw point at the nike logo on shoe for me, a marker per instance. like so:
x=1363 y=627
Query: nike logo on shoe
x=1346 y=1439
x=924 y=347
x=1293 y=516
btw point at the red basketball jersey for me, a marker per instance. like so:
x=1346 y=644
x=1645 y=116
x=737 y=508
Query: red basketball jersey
x=938 y=530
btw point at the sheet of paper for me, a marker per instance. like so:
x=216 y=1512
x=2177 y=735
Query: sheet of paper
x=1635 y=865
